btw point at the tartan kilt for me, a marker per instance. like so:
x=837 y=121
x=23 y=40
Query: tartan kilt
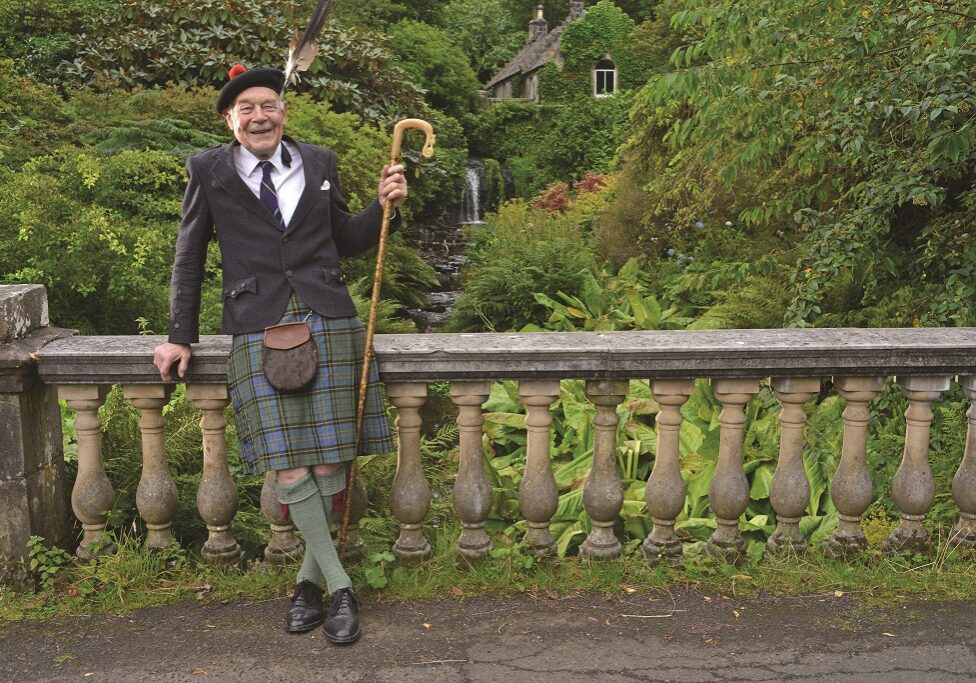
x=317 y=426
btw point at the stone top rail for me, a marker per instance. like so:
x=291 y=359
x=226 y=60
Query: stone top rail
x=559 y=355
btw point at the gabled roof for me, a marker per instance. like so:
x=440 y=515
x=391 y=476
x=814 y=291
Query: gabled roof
x=534 y=55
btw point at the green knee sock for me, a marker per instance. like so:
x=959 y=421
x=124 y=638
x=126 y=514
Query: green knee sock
x=329 y=485
x=304 y=501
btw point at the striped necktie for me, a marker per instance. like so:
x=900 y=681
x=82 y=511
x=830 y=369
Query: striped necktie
x=269 y=196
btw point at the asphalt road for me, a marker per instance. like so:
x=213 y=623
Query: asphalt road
x=655 y=636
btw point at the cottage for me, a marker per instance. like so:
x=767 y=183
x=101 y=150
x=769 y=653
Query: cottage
x=599 y=62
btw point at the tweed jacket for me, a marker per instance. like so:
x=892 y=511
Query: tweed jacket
x=262 y=263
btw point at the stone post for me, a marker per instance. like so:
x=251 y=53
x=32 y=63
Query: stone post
x=410 y=493
x=156 y=495
x=472 y=490
x=964 y=483
x=851 y=489
x=729 y=492
x=538 y=494
x=789 y=494
x=33 y=491
x=665 y=491
x=217 y=497
x=913 y=488
x=603 y=493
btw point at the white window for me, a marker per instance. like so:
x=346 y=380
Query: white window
x=604 y=78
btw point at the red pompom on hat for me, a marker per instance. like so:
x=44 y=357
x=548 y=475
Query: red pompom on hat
x=242 y=78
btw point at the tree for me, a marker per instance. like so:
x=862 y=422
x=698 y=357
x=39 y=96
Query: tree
x=433 y=62
x=195 y=42
x=845 y=128
x=484 y=30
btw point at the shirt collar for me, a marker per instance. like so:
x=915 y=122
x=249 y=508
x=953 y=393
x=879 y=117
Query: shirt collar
x=247 y=161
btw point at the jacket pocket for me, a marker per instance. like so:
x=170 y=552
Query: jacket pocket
x=333 y=274
x=237 y=287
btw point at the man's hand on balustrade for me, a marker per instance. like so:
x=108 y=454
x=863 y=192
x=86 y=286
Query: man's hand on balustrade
x=169 y=354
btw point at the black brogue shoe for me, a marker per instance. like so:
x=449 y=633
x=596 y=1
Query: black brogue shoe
x=306 y=611
x=342 y=623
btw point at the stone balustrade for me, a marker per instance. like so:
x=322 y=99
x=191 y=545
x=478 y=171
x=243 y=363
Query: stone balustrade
x=794 y=362
x=39 y=363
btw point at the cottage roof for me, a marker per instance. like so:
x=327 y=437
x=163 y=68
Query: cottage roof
x=534 y=55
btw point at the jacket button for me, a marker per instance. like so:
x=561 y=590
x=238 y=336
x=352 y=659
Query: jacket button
x=178 y=310
x=241 y=286
x=176 y=326
x=233 y=292
x=289 y=273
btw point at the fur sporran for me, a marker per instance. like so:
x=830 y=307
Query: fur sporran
x=290 y=357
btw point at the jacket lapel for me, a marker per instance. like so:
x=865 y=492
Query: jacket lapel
x=225 y=174
x=314 y=172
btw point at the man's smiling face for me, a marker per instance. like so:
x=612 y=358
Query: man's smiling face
x=258 y=118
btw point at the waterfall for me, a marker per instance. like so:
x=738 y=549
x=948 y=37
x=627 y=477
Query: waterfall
x=470 y=209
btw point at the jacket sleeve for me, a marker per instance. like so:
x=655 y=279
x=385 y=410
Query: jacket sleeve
x=354 y=234
x=195 y=232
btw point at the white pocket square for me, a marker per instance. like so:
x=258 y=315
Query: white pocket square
x=325 y=185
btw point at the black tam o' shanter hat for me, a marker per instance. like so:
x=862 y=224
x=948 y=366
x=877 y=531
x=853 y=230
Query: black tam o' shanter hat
x=242 y=78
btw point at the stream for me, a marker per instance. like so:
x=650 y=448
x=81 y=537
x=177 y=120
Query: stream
x=441 y=245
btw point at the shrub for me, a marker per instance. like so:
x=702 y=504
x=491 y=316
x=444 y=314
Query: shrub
x=98 y=232
x=519 y=251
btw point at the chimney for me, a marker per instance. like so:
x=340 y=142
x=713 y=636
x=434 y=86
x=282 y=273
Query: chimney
x=538 y=27
x=575 y=9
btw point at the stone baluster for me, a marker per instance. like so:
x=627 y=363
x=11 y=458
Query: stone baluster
x=603 y=493
x=156 y=496
x=538 y=494
x=410 y=493
x=284 y=546
x=665 y=491
x=964 y=483
x=729 y=492
x=217 y=497
x=913 y=488
x=92 y=495
x=789 y=492
x=472 y=490
x=851 y=489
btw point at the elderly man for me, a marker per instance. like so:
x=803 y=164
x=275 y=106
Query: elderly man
x=275 y=207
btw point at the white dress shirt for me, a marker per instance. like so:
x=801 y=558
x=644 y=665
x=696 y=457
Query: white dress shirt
x=289 y=181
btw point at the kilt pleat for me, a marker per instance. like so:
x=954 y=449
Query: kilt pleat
x=317 y=426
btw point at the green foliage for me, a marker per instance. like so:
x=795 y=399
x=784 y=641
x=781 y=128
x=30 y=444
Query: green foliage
x=432 y=61
x=37 y=35
x=46 y=563
x=611 y=301
x=543 y=144
x=517 y=252
x=98 y=232
x=195 y=42
x=584 y=136
x=34 y=116
x=407 y=278
x=484 y=30
x=604 y=31
x=384 y=12
x=841 y=127
x=176 y=138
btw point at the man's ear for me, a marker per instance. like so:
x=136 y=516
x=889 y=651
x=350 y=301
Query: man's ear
x=227 y=118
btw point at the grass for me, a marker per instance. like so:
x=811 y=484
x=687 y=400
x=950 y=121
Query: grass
x=132 y=579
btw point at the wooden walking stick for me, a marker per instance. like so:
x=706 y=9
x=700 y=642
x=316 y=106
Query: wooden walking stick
x=428 y=151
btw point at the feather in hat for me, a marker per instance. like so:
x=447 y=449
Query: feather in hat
x=303 y=49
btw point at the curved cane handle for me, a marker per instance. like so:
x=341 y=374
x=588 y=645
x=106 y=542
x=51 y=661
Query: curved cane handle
x=405 y=125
